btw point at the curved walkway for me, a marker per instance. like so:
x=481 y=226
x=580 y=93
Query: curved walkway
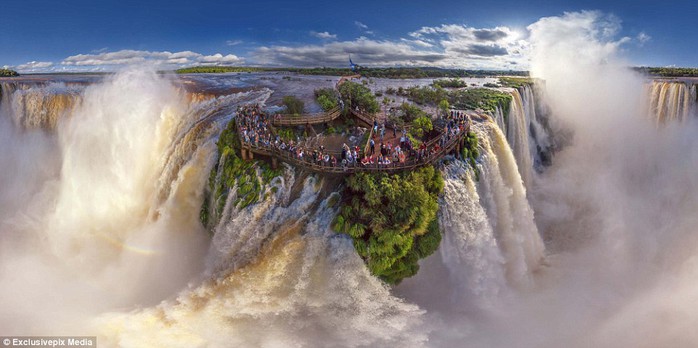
x=454 y=143
x=286 y=120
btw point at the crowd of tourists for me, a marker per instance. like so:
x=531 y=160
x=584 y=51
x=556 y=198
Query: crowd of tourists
x=255 y=129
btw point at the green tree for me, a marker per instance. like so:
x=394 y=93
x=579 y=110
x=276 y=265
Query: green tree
x=326 y=98
x=420 y=126
x=293 y=105
x=355 y=94
x=444 y=106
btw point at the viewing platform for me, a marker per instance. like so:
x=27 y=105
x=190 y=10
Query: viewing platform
x=452 y=143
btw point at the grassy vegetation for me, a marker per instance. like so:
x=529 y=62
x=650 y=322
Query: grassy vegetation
x=470 y=153
x=8 y=73
x=469 y=99
x=449 y=83
x=327 y=98
x=669 y=71
x=393 y=73
x=235 y=173
x=355 y=94
x=480 y=98
x=293 y=105
x=424 y=95
x=515 y=82
x=392 y=219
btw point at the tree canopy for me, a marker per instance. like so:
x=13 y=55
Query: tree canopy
x=355 y=94
x=326 y=97
x=392 y=219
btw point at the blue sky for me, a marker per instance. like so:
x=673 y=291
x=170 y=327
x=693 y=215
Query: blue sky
x=72 y=35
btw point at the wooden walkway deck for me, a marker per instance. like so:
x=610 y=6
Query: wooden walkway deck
x=248 y=150
x=454 y=143
x=289 y=120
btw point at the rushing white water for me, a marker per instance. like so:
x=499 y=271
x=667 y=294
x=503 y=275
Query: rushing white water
x=100 y=232
x=672 y=101
x=528 y=137
x=105 y=208
x=519 y=139
x=287 y=281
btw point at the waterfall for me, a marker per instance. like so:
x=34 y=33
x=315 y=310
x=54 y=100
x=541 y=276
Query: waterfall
x=39 y=105
x=519 y=140
x=104 y=205
x=304 y=286
x=527 y=133
x=671 y=101
x=500 y=119
x=469 y=247
x=503 y=196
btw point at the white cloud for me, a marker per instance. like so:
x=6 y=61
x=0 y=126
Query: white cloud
x=33 y=66
x=361 y=25
x=233 y=42
x=448 y=46
x=642 y=38
x=362 y=50
x=323 y=35
x=165 y=58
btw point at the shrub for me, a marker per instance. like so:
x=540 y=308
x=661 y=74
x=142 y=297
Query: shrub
x=293 y=105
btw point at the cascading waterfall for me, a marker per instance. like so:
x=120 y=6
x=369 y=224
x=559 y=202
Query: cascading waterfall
x=519 y=140
x=527 y=135
x=113 y=192
x=500 y=119
x=503 y=196
x=39 y=106
x=671 y=101
x=469 y=247
x=280 y=277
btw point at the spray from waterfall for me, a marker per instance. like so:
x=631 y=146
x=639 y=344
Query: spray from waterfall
x=103 y=205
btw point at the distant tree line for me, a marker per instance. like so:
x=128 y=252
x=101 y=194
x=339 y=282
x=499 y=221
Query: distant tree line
x=668 y=71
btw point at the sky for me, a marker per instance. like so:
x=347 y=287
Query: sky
x=88 y=35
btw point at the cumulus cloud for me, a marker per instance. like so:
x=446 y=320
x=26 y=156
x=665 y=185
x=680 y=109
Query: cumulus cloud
x=362 y=50
x=166 y=58
x=447 y=46
x=323 y=35
x=33 y=66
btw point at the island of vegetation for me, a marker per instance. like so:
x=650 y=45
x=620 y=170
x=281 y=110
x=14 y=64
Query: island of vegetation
x=391 y=216
x=8 y=73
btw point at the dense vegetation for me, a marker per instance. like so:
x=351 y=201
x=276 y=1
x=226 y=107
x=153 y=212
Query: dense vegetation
x=480 y=98
x=466 y=99
x=515 y=82
x=293 y=105
x=355 y=94
x=394 y=73
x=450 y=83
x=326 y=98
x=235 y=173
x=669 y=71
x=470 y=152
x=8 y=73
x=392 y=219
